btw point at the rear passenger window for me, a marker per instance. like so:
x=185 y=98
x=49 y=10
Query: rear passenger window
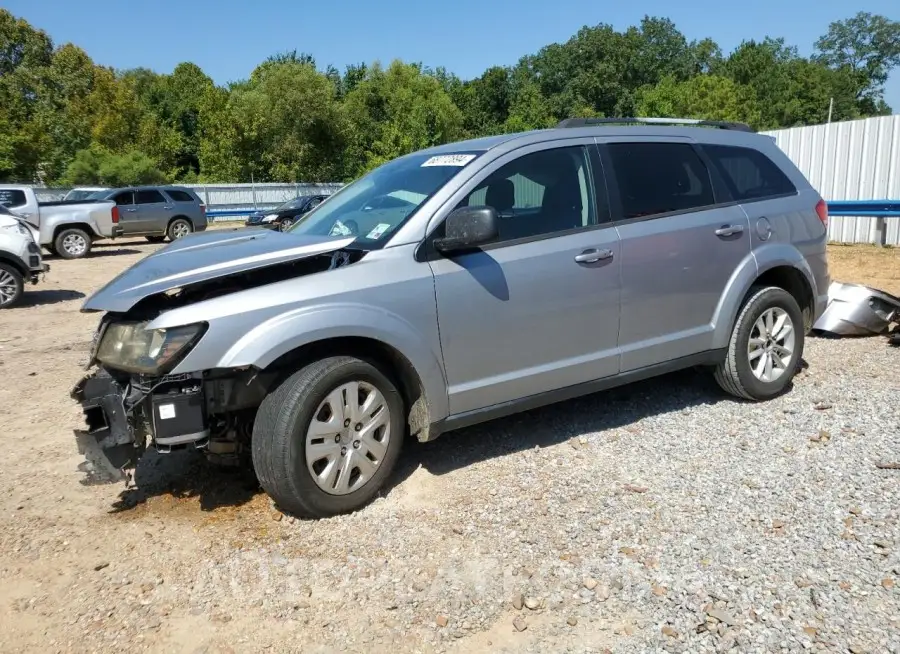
x=12 y=197
x=539 y=193
x=179 y=196
x=148 y=197
x=748 y=173
x=655 y=178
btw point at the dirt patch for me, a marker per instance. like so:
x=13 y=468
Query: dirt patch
x=195 y=559
x=866 y=264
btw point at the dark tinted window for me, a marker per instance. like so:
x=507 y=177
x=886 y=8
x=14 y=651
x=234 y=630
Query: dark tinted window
x=749 y=173
x=539 y=193
x=12 y=197
x=148 y=197
x=656 y=178
x=124 y=198
x=179 y=196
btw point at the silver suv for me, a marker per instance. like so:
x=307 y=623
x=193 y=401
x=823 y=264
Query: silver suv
x=454 y=285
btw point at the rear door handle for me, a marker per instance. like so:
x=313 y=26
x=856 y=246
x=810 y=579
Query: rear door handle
x=729 y=230
x=593 y=255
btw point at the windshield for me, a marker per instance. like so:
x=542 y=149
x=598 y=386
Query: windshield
x=96 y=195
x=374 y=206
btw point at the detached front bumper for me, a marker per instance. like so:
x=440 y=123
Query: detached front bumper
x=120 y=416
x=108 y=442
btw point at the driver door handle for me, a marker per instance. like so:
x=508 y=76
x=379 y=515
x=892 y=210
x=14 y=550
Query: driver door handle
x=593 y=255
x=729 y=230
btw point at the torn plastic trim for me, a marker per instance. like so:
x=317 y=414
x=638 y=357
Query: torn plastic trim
x=857 y=310
x=108 y=443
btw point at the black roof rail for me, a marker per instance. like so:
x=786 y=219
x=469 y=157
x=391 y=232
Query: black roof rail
x=693 y=122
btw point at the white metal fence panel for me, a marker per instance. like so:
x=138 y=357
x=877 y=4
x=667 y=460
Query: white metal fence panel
x=850 y=160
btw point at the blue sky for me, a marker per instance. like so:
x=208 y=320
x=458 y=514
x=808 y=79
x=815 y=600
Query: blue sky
x=228 y=38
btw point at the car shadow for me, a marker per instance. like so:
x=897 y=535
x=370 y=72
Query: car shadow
x=186 y=475
x=96 y=252
x=43 y=297
x=557 y=423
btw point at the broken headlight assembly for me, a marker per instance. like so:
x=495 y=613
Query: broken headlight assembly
x=131 y=347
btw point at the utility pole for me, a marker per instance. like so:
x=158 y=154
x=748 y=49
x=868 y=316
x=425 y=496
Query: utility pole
x=830 y=108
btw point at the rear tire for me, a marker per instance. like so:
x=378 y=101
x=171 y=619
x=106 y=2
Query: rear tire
x=763 y=369
x=311 y=471
x=72 y=243
x=12 y=285
x=155 y=239
x=179 y=228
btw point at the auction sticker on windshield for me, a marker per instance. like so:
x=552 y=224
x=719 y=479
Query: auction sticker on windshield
x=378 y=230
x=449 y=160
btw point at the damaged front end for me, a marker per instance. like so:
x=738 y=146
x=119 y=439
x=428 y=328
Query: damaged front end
x=135 y=396
x=857 y=310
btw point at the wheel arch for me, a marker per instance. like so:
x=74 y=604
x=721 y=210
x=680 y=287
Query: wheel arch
x=15 y=262
x=85 y=227
x=780 y=265
x=393 y=363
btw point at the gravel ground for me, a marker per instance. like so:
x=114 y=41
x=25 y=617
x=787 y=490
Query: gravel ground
x=658 y=517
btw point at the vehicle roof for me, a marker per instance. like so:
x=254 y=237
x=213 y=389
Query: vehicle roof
x=702 y=134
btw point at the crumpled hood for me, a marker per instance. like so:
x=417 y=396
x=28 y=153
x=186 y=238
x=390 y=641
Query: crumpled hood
x=204 y=256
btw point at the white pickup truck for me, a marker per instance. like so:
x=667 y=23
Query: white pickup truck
x=67 y=228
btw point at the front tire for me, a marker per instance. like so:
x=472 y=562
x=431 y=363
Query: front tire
x=12 y=284
x=765 y=347
x=326 y=439
x=72 y=243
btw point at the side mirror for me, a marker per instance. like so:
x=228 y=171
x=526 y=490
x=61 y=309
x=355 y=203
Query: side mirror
x=468 y=227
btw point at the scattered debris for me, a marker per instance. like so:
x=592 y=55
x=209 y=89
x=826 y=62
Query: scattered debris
x=100 y=566
x=893 y=465
x=441 y=621
x=520 y=624
x=635 y=489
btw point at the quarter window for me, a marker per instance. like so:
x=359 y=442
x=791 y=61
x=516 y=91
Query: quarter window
x=748 y=173
x=179 y=196
x=657 y=178
x=539 y=193
x=148 y=197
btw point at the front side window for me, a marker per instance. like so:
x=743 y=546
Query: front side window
x=657 y=178
x=539 y=193
x=125 y=198
x=748 y=173
x=148 y=196
x=12 y=197
x=373 y=207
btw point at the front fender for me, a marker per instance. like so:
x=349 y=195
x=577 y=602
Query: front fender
x=763 y=259
x=281 y=334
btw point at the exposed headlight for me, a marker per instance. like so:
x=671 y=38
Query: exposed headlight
x=131 y=347
x=270 y=218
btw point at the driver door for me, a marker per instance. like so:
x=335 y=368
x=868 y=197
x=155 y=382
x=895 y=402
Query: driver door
x=523 y=316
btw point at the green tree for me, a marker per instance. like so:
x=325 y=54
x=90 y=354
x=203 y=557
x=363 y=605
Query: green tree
x=869 y=46
x=99 y=167
x=395 y=111
x=705 y=96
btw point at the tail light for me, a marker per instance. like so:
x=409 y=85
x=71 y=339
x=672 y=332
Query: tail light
x=115 y=214
x=203 y=209
x=822 y=210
